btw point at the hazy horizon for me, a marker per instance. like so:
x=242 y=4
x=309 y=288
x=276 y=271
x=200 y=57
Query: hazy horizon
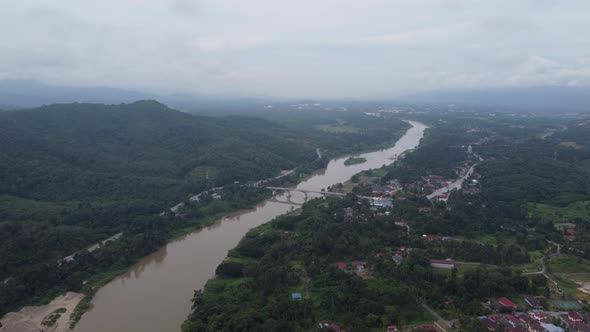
x=303 y=49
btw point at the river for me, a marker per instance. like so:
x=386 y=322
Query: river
x=154 y=295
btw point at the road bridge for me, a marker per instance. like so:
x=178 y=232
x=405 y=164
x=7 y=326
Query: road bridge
x=305 y=191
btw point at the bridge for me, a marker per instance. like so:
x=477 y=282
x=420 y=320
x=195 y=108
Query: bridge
x=305 y=191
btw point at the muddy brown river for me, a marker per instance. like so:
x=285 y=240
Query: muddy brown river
x=154 y=295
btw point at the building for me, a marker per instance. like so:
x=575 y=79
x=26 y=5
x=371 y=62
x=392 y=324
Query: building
x=431 y=237
x=443 y=263
x=506 y=303
x=326 y=324
x=341 y=265
x=574 y=317
x=552 y=328
x=391 y=328
x=426 y=328
x=533 y=302
x=296 y=296
x=383 y=203
x=358 y=264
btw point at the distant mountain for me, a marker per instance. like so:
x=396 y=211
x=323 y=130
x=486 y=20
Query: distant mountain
x=18 y=94
x=545 y=99
x=29 y=93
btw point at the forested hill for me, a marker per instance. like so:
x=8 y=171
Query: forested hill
x=70 y=151
x=74 y=174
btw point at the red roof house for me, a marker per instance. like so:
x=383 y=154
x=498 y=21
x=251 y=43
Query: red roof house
x=341 y=265
x=504 y=301
x=443 y=263
x=573 y=316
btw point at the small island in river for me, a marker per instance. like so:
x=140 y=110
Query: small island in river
x=354 y=160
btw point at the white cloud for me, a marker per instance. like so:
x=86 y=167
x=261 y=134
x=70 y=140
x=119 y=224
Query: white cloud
x=296 y=48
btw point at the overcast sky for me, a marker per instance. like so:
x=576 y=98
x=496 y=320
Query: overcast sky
x=297 y=48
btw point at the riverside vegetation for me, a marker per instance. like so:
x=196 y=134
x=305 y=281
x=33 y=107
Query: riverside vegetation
x=497 y=232
x=72 y=175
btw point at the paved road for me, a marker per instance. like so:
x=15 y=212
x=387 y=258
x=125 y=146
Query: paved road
x=315 y=192
x=438 y=317
x=455 y=185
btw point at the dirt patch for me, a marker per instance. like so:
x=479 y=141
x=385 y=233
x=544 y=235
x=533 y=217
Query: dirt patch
x=571 y=145
x=54 y=316
x=585 y=287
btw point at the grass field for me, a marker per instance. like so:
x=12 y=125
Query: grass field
x=534 y=265
x=554 y=213
x=340 y=127
x=571 y=272
x=203 y=173
x=569 y=264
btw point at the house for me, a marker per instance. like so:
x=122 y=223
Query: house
x=527 y=319
x=579 y=327
x=513 y=321
x=539 y=316
x=429 y=186
x=431 y=237
x=552 y=328
x=426 y=328
x=506 y=303
x=326 y=324
x=341 y=265
x=570 y=231
x=574 y=317
x=296 y=296
x=358 y=264
x=532 y=302
x=397 y=258
x=391 y=328
x=489 y=324
x=536 y=327
x=384 y=203
x=443 y=263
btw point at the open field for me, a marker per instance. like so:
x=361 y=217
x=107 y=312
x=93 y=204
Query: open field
x=54 y=316
x=548 y=212
x=573 y=274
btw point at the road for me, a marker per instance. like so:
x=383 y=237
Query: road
x=315 y=192
x=455 y=185
x=438 y=317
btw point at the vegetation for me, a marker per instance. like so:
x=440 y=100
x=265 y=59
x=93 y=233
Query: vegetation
x=494 y=235
x=354 y=160
x=73 y=175
x=298 y=254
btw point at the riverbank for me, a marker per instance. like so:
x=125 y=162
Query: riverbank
x=98 y=281
x=53 y=316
